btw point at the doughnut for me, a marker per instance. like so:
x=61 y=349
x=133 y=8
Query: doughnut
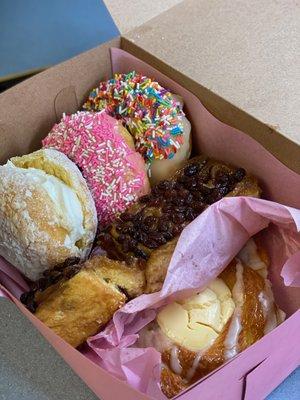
x=153 y=116
x=47 y=214
x=104 y=151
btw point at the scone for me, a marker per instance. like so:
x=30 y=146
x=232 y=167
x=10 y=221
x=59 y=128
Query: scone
x=198 y=334
x=47 y=214
x=145 y=230
x=79 y=299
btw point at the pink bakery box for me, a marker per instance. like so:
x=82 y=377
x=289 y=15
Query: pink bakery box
x=29 y=111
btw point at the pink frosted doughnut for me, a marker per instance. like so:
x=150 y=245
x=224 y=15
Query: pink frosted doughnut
x=104 y=151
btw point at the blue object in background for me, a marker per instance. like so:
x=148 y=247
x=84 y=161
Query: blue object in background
x=289 y=389
x=35 y=34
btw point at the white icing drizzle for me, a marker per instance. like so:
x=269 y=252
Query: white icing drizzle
x=192 y=370
x=174 y=361
x=250 y=256
x=266 y=300
x=235 y=326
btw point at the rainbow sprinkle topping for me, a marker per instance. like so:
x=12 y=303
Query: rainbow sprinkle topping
x=150 y=113
x=114 y=173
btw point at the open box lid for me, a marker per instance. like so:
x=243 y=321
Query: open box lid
x=130 y=14
x=238 y=58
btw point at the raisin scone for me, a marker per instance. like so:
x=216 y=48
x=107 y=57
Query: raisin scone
x=149 y=229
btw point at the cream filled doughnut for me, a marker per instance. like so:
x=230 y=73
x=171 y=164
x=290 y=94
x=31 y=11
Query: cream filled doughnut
x=47 y=214
x=153 y=116
x=104 y=151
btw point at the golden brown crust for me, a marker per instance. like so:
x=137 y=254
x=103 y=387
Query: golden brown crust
x=252 y=321
x=157 y=266
x=78 y=307
x=171 y=384
x=156 y=219
x=130 y=279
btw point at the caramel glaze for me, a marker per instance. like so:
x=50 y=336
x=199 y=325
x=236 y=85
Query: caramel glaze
x=252 y=321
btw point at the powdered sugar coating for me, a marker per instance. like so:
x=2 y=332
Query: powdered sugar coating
x=115 y=173
x=32 y=231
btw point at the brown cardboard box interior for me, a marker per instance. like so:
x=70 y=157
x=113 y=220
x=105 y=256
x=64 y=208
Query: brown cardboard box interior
x=240 y=59
x=29 y=110
x=241 y=69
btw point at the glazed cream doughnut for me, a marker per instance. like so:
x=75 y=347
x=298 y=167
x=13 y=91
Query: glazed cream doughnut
x=153 y=116
x=47 y=214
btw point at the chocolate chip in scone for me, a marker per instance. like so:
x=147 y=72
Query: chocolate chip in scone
x=119 y=228
x=171 y=194
x=176 y=230
x=164 y=225
x=28 y=300
x=145 y=199
x=160 y=239
x=139 y=235
x=198 y=206
x=189 y=199
x=203 y=176
x=165 y=185
x=42 y=284
x=205 y=190
x=182 y=192
x=191 y=170
x=154 y=202
x=150 y=223
x=71 y=271
x=239 y=174
x=167 y=208
x=121 y=238
x=214 y=196
x=193 y=183
x=55 y=277
x=140 y=253
x=178 y=218
x=222 y=178
x=190 y=214
x=179 y=201
x=183 y=180
x=137 y=219
x=129 y=243
x=197 y=195
x=151 y=243
x=127 y=228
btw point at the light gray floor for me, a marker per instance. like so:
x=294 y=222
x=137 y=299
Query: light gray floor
x=31 y=370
